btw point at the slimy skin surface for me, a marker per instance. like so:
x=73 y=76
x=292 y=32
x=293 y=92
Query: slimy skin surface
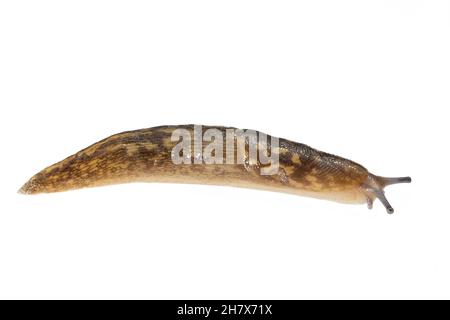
x=146 y=156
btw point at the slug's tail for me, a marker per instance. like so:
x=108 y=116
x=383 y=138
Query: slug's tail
x=65 y=175
x=27 y=188
x=374 y=189
x=83 y=170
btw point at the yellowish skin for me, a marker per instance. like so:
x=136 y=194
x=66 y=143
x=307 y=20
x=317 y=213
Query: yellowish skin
x=146 y=156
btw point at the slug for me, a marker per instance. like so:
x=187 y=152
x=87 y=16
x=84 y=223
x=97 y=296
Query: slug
x=165 y=154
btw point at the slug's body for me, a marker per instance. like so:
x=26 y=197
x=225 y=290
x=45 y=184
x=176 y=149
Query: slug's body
x=147 y=156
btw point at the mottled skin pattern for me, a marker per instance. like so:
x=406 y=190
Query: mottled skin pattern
x=145 y=156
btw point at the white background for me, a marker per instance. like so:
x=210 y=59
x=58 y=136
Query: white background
x=368 y=80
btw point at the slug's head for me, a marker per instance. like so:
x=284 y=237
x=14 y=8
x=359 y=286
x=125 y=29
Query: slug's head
x=374 y=186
